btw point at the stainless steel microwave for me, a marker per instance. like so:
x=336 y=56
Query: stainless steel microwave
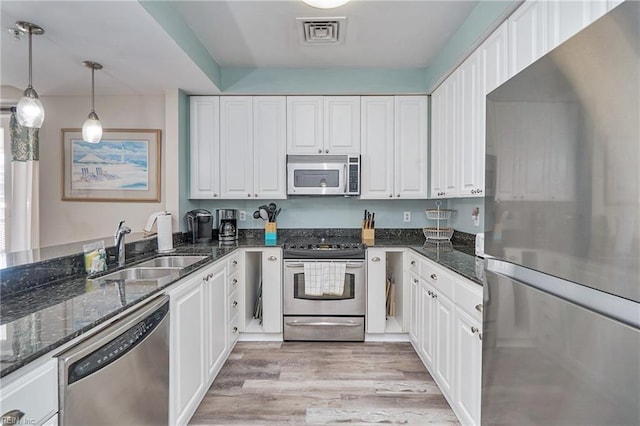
x=323 y=174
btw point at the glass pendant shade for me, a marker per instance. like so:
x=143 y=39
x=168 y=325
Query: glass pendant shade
x=92 y=129
x=326 y=4
x=29 y=111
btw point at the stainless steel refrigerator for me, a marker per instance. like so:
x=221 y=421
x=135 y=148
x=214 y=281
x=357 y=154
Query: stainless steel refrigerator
x=561 y=339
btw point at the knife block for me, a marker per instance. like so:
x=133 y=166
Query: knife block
x=368 y=235
x=270 y=234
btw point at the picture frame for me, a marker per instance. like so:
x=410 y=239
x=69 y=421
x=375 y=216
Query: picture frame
x=123 y=167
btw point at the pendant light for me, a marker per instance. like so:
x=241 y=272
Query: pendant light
x=30 y=112
x=92 y=129
x=326 y=4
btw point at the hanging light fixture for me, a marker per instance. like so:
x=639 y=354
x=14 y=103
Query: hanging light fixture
x=326 y=4
x=92 y=129
x=30 y=112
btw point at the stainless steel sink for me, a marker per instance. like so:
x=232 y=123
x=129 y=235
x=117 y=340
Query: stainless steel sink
x=171 y=262
x=140 y=273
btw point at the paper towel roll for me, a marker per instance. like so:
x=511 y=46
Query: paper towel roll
x=165 y=233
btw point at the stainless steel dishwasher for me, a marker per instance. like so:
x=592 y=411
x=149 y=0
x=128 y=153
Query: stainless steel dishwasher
x=120 y=375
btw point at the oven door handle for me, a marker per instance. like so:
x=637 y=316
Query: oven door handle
x=301 y=265
x=323 y=324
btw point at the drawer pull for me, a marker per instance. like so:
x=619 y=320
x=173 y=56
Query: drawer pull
x=413 y=263
x=12 y=417
x=375 y=259
x=234 y=282
x=479 y=307
x=234 y=330
x=235 y=303
x=474 y=330
x=434 y=277
x=234 y=263
x=272 y=258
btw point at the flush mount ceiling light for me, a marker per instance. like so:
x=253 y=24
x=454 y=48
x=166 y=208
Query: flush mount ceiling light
x=326 y=4
x=92 y=129
x=30 y=112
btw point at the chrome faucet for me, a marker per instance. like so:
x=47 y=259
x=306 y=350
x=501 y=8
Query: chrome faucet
x=119 y=239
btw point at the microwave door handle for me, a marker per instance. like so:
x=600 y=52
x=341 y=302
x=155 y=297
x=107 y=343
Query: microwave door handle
x=344 y=177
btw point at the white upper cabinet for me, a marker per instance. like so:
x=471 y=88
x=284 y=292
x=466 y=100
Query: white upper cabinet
x=411 y=148
x=323 y=125
x=304 y=125
x=566 y=18
x=204 y=147
x=269 y=147
x=377 y=160
x=528 y=35
x=236 y=146
x=437 y=142
x=341 y=124
x=471 y=150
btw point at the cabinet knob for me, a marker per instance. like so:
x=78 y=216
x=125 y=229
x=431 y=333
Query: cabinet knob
x=234 y=330
x=319 y=151
x=272 y=258
x=479 y=191
x=249 y=195
x=326 y=151
x=413 y=263
x=397 y=195
x=390 y=195
x=435 y=296
x=479 y=307
x=234 y=263
x=375 y=259
x=430 y=293
x=415 y=280
x=473 y=191
x=205 y=278
x=256 y=195
x=235 y=303
x=474 y=330
x=234 y=282
x=215 y=195
x=434 y=277
x=210 y=275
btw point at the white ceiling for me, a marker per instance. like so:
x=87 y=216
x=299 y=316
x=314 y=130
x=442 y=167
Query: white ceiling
x=139 y=57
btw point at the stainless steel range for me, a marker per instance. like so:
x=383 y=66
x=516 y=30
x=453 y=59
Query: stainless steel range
x=324 y=290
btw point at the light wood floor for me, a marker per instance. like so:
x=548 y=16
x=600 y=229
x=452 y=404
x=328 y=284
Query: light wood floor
x=323 y=383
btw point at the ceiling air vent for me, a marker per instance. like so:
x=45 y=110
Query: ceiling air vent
x=322 y=30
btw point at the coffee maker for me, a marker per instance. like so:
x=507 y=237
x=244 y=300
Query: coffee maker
x=199 y=226
x=227 y=225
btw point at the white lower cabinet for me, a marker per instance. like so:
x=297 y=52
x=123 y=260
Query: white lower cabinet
x=215 y=290
x=447 y=335
x=32 y=393
x=187 y=350
x=272 y=290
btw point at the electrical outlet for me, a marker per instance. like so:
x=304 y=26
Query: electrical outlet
x=243 y=216
x=406 y=216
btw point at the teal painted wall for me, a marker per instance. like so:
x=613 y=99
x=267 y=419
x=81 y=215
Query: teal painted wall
x=330 y=212
x=324 y=81
x=461 y=216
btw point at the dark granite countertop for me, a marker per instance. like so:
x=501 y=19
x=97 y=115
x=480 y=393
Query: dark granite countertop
x=43 y=318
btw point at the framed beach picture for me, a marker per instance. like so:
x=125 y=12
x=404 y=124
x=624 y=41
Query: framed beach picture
x=123 y=166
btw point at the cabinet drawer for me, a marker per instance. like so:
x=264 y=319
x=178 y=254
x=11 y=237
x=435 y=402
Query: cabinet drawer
x=234 y=263
x=440 y=279
x=234 y=304
x=469 y=298
x=233 y=283
x=413 y=263
x=234 y=329
x=35 y=393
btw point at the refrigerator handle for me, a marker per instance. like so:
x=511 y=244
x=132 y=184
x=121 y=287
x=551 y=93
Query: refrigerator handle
x=618 y=308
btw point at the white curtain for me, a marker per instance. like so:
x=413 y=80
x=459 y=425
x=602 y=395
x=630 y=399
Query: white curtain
x=24 y=205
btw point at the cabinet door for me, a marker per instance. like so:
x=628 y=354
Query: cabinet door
x=494 y=71
x=444 y=313
x=269 y=147
x=272 y=290
x=204 y=147
x=376 y=284
x=451 y=135
x=471 y=150
x=236 y=147
x=215 y=289
x=437 y=142
x=415 y=330
x=341 y=124
x=428 y=325
x=566 y=18
x=187 y=351
x=527 y=35
x=468 y=368
x=411 y=159
x=304 y=125
x=377 y=147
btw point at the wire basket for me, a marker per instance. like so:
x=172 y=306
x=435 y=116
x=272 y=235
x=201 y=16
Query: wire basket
x=438 y=233
x=442 y=246
x=440 y=214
